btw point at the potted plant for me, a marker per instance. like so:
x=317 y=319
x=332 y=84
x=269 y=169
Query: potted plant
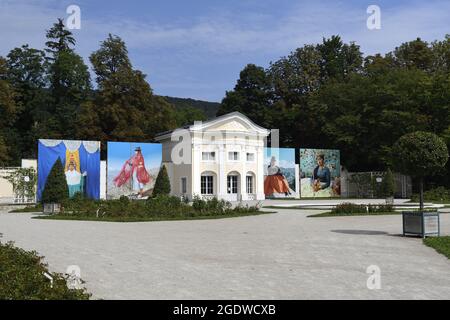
x=56 y=190
x=420 y=154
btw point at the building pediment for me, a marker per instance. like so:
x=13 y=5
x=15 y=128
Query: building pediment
x=230 y=126
x=232 y=122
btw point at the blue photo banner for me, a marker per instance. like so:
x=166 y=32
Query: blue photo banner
x=81 y=161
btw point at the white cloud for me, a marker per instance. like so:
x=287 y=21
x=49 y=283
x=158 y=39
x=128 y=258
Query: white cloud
x=179 y=53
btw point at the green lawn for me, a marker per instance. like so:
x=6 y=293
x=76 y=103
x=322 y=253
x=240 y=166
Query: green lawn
x=440 y=244
x=147 y=218
x=37 y=208
x=343 y=214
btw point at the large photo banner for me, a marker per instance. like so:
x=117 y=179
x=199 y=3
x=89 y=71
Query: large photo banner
x=320 y=173
x=279 y=173
x=132 y=169
x=81 y=161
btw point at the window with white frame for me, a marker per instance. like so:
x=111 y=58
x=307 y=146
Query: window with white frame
x=232 y=182
x=233 y=156
x=250 y=157
x=206 y=185
x=249 y=184
x=208 y=156
x=183 y=185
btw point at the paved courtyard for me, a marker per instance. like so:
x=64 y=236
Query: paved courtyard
x=284 y=255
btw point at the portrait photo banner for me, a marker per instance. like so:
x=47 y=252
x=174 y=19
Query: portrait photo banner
x=132 y=169
x=320 y=173
x=81 y=162
x=280 y=173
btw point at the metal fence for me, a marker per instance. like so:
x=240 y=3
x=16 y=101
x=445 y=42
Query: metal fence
x=365 y=185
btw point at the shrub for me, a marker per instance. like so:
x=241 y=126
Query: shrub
x=436 y=194
x=22 y=278
x=156 y=207
x=162 y=183
x=165 y=204
x=198 y=203
x=56 y=189
x=349 y=208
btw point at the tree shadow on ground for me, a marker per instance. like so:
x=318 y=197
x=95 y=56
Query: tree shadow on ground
x=362 y=232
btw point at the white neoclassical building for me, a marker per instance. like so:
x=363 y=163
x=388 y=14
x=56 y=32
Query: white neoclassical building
x=222 y=157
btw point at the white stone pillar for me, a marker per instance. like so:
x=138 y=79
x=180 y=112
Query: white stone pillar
x=243 y=187
x=222 y=178
x=260 y=174
x=196 y=174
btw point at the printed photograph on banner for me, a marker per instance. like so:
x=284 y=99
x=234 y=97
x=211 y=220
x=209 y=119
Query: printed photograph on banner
x=279 y=172
x=320 y=173
x=81 y=162
x=132 y=168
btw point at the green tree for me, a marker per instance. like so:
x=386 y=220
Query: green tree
x=250 y=95
x=8 y=115
x=189 y=115
x=69 y=81
x=27 y=74
x=294 y=80
x=419 y=154
x=162 y=183
x=338 y=59
x=4 y=153
x=126 y=106
x=56 y=189
x=59 y=39
x=441 y=55
x=414 y=54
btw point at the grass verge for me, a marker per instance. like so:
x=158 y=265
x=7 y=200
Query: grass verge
x=344 y=214
x=147 y=218
x=440 y=244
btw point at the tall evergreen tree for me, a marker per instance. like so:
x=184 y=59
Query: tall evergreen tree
x=55 y=189
x=162 y=183
x=59 y=39
x=69 y=81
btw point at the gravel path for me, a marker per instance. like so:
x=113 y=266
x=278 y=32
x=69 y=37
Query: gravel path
x=273 y=256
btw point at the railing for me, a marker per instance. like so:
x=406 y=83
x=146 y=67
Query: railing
x=251 y=196
x=208 y=196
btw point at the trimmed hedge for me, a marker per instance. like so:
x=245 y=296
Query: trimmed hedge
x=349 y=208
x=22 y=278
x=441 y=194
x=158 y=208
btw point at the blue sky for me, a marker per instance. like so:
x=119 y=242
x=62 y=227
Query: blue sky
x=119 y=152
x=285 y=157
x=196 y=48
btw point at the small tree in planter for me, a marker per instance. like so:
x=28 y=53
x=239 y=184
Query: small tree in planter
x=419 y=154
x=162 y=184
x=56 y=190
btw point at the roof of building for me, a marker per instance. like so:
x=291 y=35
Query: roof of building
x=217 y=119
